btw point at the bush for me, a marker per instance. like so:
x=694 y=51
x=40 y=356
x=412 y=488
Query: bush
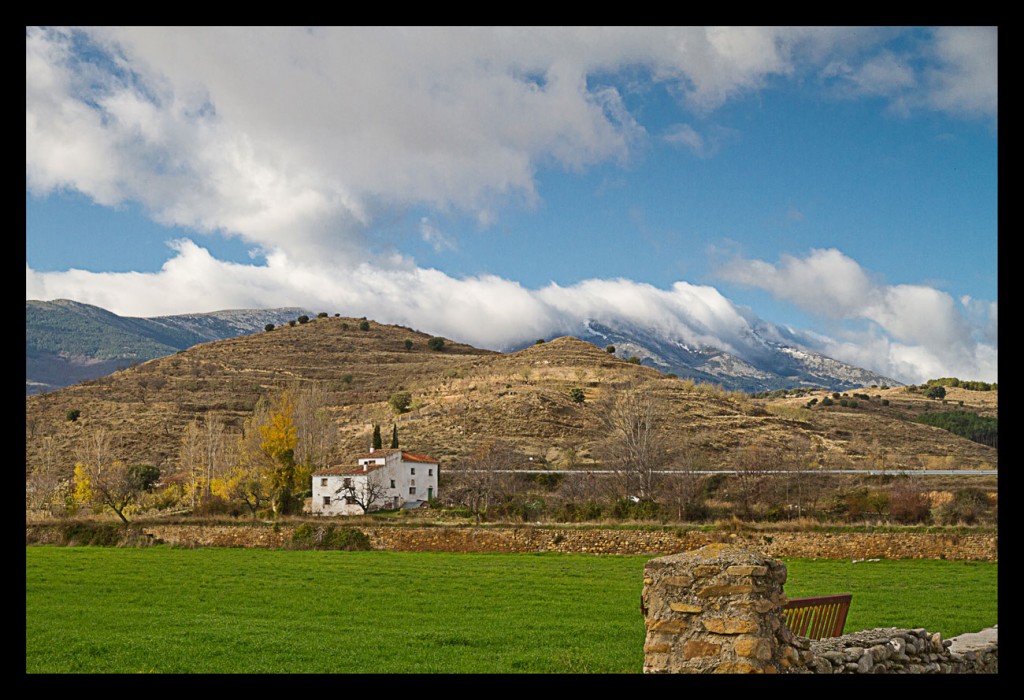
x=292 y=323
x=73 y=415
x=635 y=360
x=967 y=507
x=400 y=401
x=408 y=344
x=303 y=318
x=540 y=341
x=268 y=327
x=436 y=344
x=577 y=395
x=610 y=349
x=909 y=505
x=349 y=539
x=322 y=314
x=364 y=325
x=936 y=392
x=827 y=401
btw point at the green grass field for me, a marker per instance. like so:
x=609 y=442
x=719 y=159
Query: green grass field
x=163 y=610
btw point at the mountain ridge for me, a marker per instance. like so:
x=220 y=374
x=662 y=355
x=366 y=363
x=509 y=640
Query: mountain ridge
x=68 y=342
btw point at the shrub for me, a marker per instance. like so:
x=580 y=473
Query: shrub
x=322 y=314
x=967 y=507
x=400 y=401
x=408 y=344
x=910 y=505
x=827 y=401
x=303 y=318
x=635 y=360
x=540 y=341
x=349 y=539
x=73 y=415
x=936 y=392
x=268 y=327
x=577 y=395
x=436 y=344
x=344 y=326
x=610 y=349
x=836 y=395
x=364 y=325
x=291 y=323
x=885 y=402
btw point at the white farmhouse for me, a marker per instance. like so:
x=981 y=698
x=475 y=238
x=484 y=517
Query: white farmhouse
x=381 y=479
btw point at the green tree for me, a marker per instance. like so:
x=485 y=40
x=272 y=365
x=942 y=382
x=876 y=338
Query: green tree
x=436 y=344
x=394 y=437
x=377 y=443
x=303 y=318
x=364 y=326
x=73 y=414
x=540 y=341
x=408 y=344
x=400 y=401
x=577 y=395
x=322 y=314
x=936 y=392
x=610 y=349
x=268 y=327
x=635 y=360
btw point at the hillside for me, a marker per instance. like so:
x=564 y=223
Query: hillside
x=462 y=395
x=67 y=342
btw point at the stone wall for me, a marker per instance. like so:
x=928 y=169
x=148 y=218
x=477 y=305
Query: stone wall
x=803 y=544
x=719 y=609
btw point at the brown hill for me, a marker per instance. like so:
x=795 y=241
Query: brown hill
x=462 y=395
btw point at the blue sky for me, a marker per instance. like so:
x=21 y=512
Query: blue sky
x=495 y=185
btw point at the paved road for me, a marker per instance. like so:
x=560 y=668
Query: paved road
x=863 y=472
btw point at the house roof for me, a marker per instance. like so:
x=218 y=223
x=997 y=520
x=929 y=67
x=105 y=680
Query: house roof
x=349 y=470
x=406 y=456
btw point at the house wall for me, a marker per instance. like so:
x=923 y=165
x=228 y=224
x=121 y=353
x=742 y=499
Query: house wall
x=405 y=475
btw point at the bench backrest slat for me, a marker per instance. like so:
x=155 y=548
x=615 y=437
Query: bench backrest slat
x=817 y=617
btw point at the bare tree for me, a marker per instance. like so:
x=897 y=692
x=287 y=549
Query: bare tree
x=190 y=456
x=368 y=490
x=316 y=429
x=104 y=480
x=485 y=478
x=684 y=488
x=634 y=448
x=214 y=448
x=47 y=485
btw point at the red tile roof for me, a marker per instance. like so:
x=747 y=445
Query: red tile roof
x=348 y=470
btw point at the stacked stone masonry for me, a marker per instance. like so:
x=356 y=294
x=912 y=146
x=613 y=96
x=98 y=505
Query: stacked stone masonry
x=810 y=545
x=719 y=610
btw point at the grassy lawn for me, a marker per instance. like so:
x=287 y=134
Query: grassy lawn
x=163 y=610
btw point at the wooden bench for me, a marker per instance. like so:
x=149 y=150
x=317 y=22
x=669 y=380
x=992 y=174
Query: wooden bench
x=817 y=617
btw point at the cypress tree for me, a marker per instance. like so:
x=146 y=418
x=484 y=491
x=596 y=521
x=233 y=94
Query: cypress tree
x=376 y=437
x=394 y=437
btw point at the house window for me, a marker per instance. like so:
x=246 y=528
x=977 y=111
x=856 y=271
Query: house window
x=327 y=500
x=350 y=500
x=430 y=472
x=392 y=483
x=412 y=482
x=323 y=482
x=412 y=490
x=412 y=470
x=347 y=483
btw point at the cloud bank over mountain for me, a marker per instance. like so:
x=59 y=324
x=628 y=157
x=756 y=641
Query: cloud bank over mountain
x=300 y=141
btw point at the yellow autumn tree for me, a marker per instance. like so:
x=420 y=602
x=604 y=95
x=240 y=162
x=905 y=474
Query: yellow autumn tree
x=278 y=439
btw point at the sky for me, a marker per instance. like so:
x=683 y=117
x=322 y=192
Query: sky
x=495 y=185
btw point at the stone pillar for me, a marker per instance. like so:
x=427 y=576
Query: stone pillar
x=717 y=609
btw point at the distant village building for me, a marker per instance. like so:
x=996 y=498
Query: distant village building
x=381 y=479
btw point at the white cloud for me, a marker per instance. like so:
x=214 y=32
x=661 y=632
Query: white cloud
x=924 y=332
x=297 y=140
